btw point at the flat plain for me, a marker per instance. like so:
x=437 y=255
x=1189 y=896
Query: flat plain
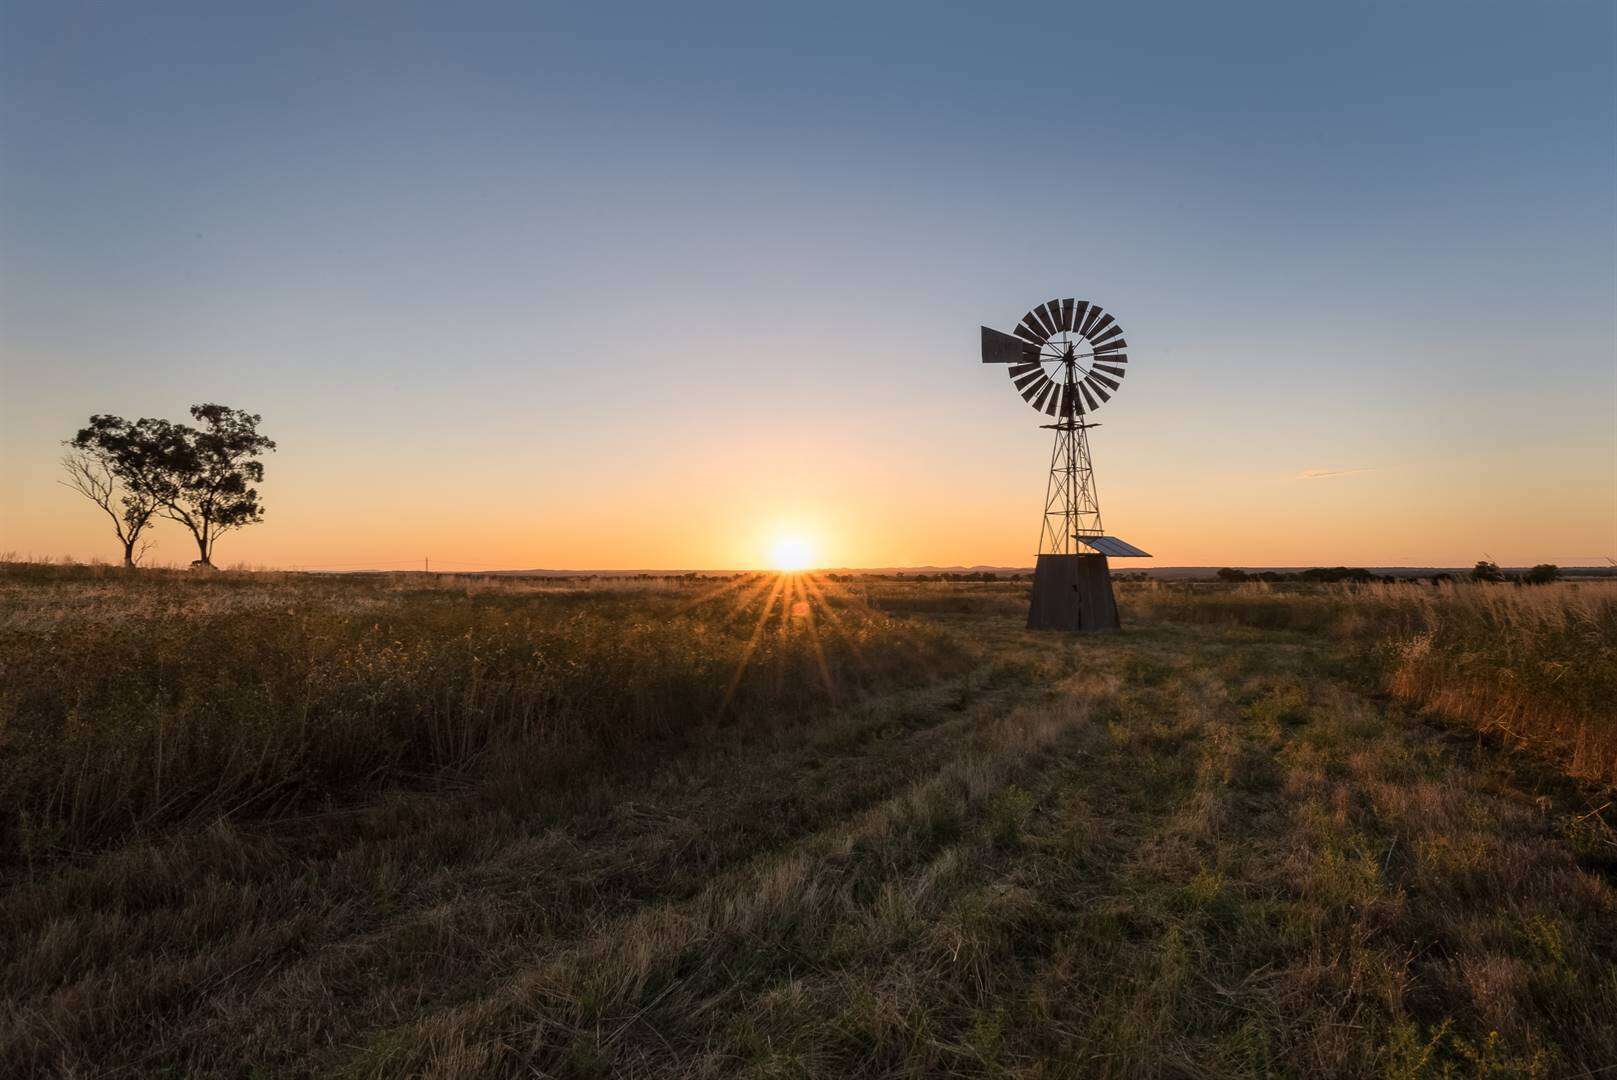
x=269 y=825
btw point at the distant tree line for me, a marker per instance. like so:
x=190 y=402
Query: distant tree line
x=1542 y=574
x=1318 y=573
x=201 y=477
x=970 y=575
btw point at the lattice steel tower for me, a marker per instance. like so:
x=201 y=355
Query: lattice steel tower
x=1071 y=501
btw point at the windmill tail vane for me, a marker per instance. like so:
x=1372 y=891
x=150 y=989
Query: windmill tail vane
x=1067 y=358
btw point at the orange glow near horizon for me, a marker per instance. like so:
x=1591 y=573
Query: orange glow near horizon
x=846 y=498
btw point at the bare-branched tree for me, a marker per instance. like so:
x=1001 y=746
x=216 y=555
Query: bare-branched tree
x=111 y=463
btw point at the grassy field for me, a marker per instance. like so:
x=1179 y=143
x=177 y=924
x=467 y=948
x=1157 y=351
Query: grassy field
x=266 y=825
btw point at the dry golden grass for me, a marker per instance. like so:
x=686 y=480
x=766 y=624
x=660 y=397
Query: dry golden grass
x=1535 y=665
x=137 y=701
x=1203 y=847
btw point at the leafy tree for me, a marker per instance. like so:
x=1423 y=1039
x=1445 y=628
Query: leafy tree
x=208 y=473
x=1542 y=574
x=112 y=462
x=1486 y=571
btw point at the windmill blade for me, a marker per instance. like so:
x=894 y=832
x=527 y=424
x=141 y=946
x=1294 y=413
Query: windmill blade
x=1042 y=318
x=1097 y=389
x=1096 y=331
x=1084 y=390
x=1080 y=312
x=1110 y=370
x=1103 y=380
x=1053 y=401
x=1029 y=332
x=1066 y=314
x=1052 y=313
x=1016 y=371
x=1102 y=338
x=1030 y=386
x=1024 y=383
x=1115 y=345
x=1043 y=394
x=1089 y=323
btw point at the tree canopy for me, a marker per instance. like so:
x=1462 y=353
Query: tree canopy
x=201 y=477
x=211 y=470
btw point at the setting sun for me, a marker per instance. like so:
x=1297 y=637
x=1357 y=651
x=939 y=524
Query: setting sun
x=792 y=553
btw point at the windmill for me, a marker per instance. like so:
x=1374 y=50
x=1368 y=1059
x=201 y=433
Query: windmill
x=1067 y=358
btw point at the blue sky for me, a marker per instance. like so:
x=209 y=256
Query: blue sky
x=613 y=285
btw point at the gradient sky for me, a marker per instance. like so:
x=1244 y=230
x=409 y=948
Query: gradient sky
x=605 y=286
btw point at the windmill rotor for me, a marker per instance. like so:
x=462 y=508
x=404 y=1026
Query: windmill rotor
x=1065 y=357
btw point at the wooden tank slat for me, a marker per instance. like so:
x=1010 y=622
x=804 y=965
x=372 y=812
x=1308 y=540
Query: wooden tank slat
x=1072 y=592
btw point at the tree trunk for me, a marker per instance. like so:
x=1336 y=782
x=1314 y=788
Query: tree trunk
x=202 y=549
x=129 y=553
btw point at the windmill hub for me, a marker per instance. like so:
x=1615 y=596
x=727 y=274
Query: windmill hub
x=1055 y=354
x=1067 y=358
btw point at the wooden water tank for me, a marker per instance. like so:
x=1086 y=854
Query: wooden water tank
x=1072 y=592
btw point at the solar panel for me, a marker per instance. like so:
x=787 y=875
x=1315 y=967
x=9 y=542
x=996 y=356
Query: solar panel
x=1111 y=545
